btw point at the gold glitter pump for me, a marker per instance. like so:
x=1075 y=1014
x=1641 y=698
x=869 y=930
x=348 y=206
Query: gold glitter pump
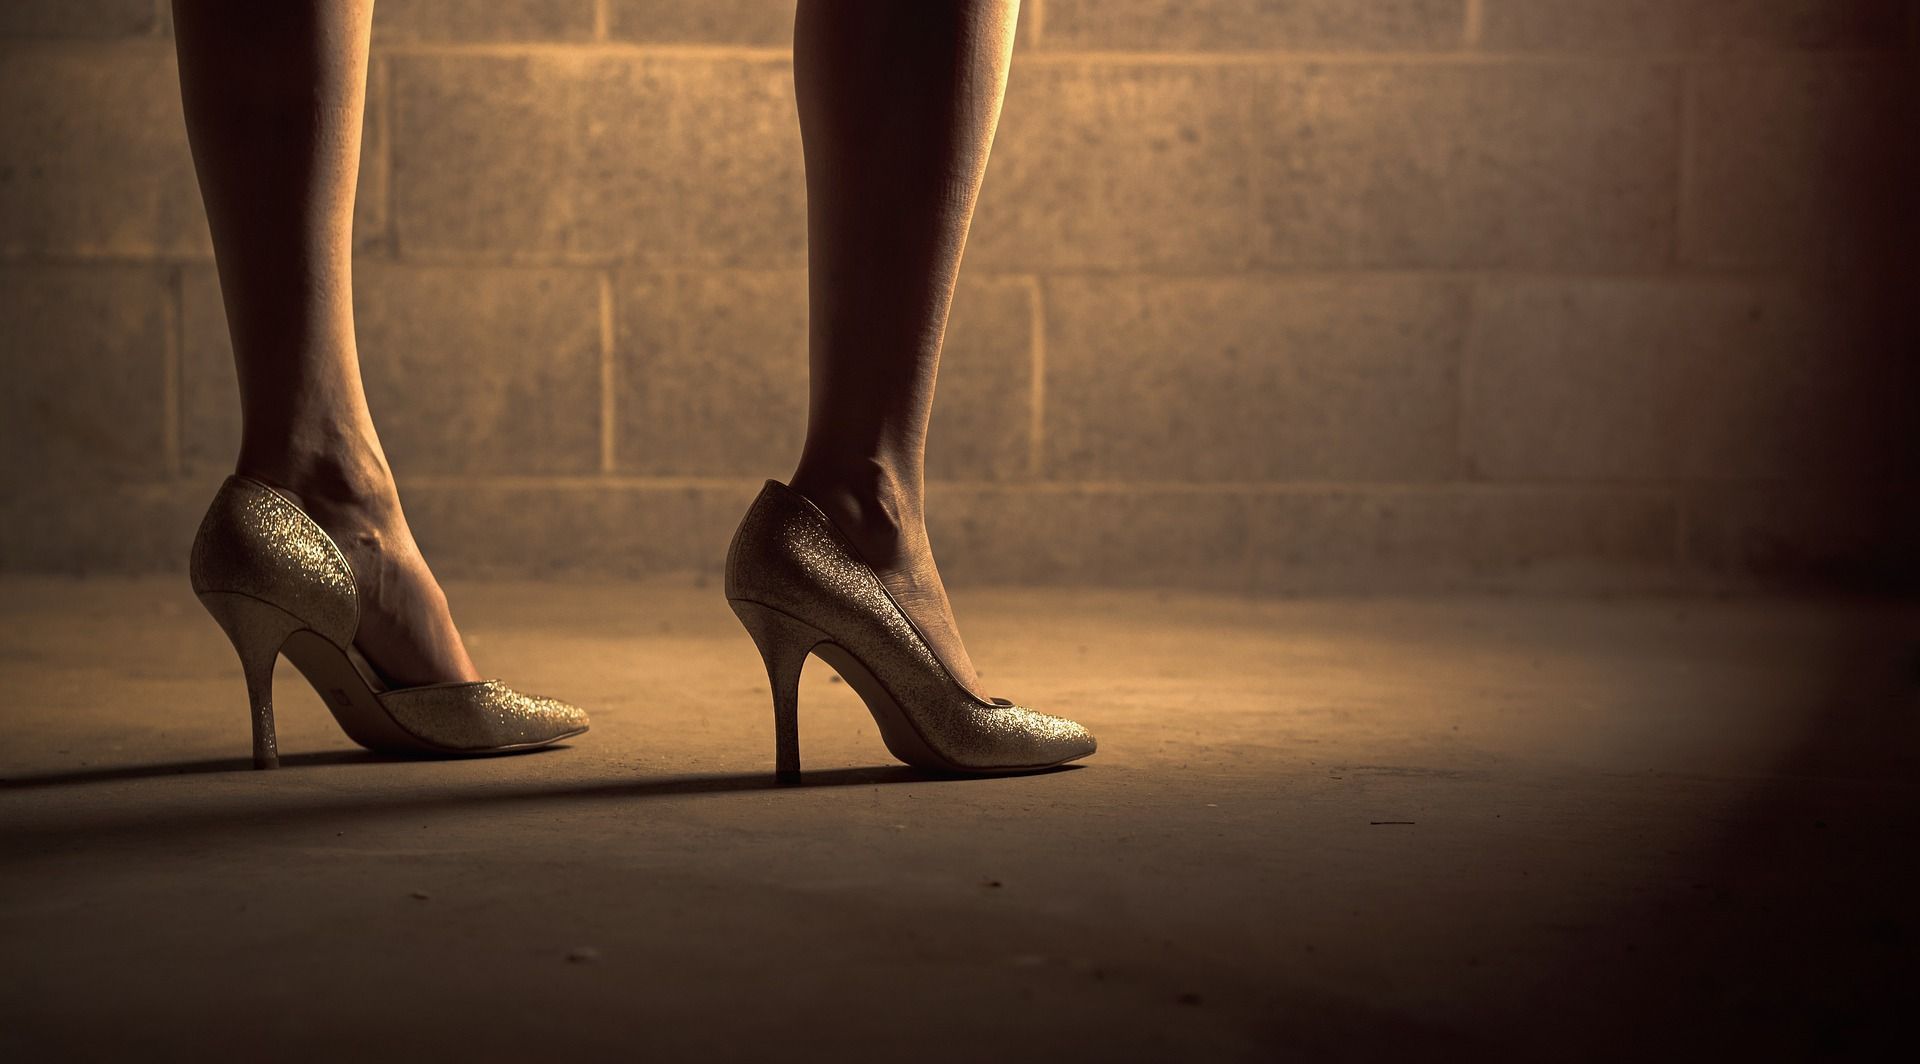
x=799 y=586
x=277 y=584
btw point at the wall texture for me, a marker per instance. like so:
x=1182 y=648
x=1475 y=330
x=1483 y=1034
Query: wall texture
x=1262 y=294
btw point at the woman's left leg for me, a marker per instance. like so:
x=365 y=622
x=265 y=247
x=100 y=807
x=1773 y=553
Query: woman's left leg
x=898 y=104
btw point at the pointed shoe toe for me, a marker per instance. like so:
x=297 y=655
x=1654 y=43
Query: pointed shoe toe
x=1011 y=738
x=1075 y=744
x=484 y=717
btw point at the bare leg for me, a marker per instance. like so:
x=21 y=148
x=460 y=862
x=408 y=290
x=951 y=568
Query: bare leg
x=898 y=103
x=274 y=93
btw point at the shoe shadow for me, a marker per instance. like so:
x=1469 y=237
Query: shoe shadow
x=158 y=770
x=672 y=785
x=62 y=832
x=873 y=776
x=235 y=821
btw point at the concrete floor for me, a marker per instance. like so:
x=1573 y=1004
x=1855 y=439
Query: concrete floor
x=1331 y=828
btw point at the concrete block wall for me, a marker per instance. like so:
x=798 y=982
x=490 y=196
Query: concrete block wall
x=1264 y=295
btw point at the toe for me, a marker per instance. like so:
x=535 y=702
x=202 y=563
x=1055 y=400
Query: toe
x=1076 y=742
x=565 y=718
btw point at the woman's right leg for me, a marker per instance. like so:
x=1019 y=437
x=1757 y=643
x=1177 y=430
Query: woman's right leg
x=274 y=91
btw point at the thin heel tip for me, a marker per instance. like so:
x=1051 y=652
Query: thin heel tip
x=786 y=775
x=266 y=763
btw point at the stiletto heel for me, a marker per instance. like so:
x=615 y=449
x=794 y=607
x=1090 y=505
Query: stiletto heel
x=784 y=645
x=800 y=587
x=276 y=584
x=257 y=632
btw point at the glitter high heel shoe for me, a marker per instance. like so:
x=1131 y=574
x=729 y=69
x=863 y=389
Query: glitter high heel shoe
x=800 y=587
x=277 y=584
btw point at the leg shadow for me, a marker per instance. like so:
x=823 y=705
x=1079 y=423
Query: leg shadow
x=158 y=770
x=143 y=827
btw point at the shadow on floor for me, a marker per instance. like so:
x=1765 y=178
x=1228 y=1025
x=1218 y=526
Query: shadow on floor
x=55 y=833
x=1786 y=933
x=121 y=773
x=754 y=781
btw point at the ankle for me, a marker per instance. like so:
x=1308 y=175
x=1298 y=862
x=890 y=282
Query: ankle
x=334 y=468
x=878 y=506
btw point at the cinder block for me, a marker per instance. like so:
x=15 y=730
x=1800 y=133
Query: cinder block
x=1661 y=25
x=467 y=370
x=740 y=186
x=712 y=373
x=209 y=390
x=1252 y=378
x=751 y=23
x=97 y=160
x=745 y=22
x=371 y=233
x=1121 y=166
x=1197 y=540
x=1310 y=540
x=1805 y=537
x=483 y=370
x=1816 y=24
x=656 y=160
x=77 y=18
x=1454 y=537
x=494 y=155
x=1445 y=165
x=494 y=20
x=586 y=526
x=107 y=528
x=1798 y=166
x=83 y=385
x=713 y=376
x=1622 y=380
x=982 y=410
x=1233 y=25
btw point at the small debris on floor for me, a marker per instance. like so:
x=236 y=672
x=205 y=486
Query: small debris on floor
x=582 y=955
x=990 y=883
x=421 y=895
x=1377 y=823
x=1188 y=998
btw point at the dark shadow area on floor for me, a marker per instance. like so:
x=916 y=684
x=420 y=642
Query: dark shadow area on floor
x=675 y=785
x=37 y=840
x=163 y=769
x=1789 y=933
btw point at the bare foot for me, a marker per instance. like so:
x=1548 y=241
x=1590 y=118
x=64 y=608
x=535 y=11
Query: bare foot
x=891 y=535
x=406 y=630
